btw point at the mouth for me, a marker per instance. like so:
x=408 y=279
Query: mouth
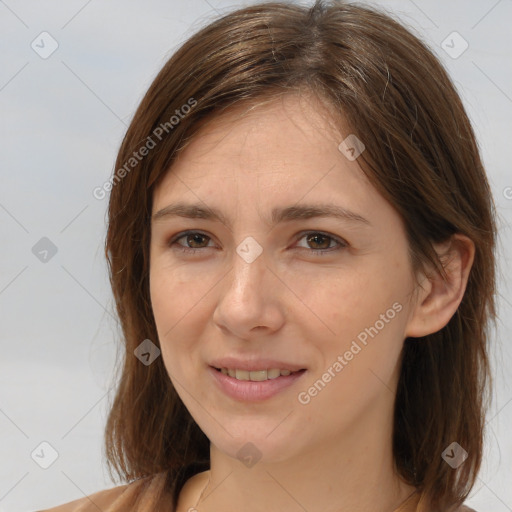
x=254 y=385
x=257 y=375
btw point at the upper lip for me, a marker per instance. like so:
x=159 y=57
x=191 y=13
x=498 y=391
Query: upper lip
x=250 y=365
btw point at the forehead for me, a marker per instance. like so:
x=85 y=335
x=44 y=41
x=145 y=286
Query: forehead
x=266 y=132
x=277 y=154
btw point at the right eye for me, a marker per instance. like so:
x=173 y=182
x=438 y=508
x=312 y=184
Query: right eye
x=193 y=241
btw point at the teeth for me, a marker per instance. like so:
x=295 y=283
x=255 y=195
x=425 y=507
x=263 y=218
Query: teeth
x=241 y=375
x=274 y=373
x=257 y=375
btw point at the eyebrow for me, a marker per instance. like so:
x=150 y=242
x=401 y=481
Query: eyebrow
x=290 y=213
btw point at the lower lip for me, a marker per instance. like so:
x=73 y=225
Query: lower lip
x=251 y=391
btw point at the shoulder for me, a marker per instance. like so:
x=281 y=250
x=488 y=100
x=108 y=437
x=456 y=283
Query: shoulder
x=101 y=500
x=418 y=503
x=116 y=499
x=191 y=491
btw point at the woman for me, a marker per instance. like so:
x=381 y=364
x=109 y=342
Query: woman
x=301 y=247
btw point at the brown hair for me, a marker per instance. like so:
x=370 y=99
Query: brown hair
x=421 y=155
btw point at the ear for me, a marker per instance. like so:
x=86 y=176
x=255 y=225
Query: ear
x=438 y=300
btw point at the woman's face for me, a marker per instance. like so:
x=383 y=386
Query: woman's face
x=247 y=274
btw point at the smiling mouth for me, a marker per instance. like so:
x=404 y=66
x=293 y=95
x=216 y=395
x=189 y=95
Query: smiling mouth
x=257 y=375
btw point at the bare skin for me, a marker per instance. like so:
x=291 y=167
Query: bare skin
x=333 y=452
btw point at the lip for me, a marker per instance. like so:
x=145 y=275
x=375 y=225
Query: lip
x=252 y=365
x=251 y=391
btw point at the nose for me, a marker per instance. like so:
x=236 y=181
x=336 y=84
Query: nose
x=249 y=302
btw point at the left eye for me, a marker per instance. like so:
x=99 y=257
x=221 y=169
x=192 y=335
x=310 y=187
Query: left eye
x=321 y=242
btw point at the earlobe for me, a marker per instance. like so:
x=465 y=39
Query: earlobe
x=438 y=299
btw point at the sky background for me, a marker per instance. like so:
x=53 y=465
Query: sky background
x=62 y=118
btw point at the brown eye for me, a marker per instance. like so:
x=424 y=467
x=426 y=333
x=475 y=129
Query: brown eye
x=320 y=243
x=195 y=240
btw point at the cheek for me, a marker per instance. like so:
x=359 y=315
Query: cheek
x=362 y=316
x=347 y=300
x=180 y=308
x=175 y=296
x=355 y=375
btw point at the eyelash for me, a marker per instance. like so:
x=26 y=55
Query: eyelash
x=318 y=252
